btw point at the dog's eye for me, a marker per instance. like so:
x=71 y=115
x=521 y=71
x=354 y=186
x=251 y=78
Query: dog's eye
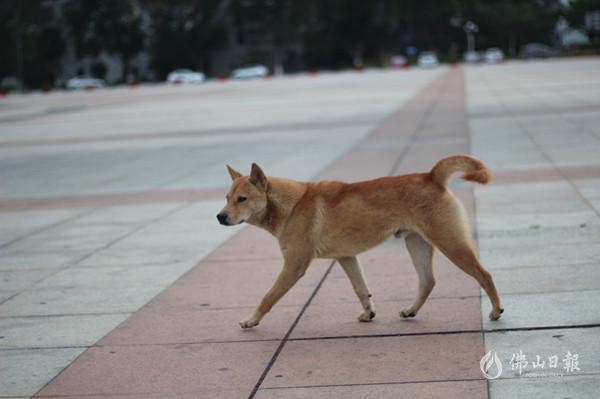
x=241 y=199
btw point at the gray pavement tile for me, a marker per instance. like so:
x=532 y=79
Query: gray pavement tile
x=583 y=342
x=540 y=279
x=17 y=280
x=93 y=290
x=24 y=372
x=541 y=205
x=15 y=224
x=550 y=255
x=596 y=204
x=56 y=331
x=184 y=237
x=589 y=188
x=570 y=232
x=578 y=386
x=546 y=309
x=32 y=260
x=449 y=390
x=488 y=223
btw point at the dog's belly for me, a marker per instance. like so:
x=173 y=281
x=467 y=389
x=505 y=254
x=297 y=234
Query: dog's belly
x=349 y=243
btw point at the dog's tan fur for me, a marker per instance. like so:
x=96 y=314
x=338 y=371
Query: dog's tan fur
x=331 y=219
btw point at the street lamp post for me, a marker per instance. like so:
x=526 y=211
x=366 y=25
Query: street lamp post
x=470 y=29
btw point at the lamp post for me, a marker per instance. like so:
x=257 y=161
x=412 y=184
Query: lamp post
x=470 y=29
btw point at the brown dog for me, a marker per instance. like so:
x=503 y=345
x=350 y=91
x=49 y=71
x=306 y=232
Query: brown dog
x=338 y=220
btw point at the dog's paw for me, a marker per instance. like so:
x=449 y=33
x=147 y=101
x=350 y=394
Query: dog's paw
x=367 y=315
x=248 y=323
x=496 y=313
x=407 y=313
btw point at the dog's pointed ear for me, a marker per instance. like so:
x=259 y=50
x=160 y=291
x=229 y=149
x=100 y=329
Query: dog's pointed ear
x=233 y=173
x=257 y=176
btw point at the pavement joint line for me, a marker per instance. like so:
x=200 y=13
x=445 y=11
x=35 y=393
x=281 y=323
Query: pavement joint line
x=476 y=233
x=64 y=315
x=551 y=111
x=548 y=292
x=47 y=227
x=558 y=170
x=10 y=297
x=518 y=267
x=420 y=125
x=302 y=339
x=294 y=387
x=373 y=383
x=449 y=332
x=104 y=247
x=289 y=332
x=183 y=134
x=407 y=145
x=548 y=158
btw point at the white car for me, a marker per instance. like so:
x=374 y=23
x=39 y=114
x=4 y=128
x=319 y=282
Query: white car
x=472 y=57
x=427 y=59
x=398 y=61
x=185 y=76
x=253 y=71
x=494 y=55
x=85 y=82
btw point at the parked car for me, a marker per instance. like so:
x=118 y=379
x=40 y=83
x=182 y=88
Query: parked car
x=494 y=55
x=85 y=82
x=537 y=50
x=251 y=71
x=185 y=76
x=398 y=61
x=472 y=57
x=427 y=59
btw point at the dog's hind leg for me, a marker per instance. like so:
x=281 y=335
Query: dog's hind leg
x=448 y=231
x=357 y=278
x=421 y=253
x=463 y=256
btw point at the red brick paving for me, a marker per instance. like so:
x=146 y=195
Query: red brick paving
x=168 y=348
x=105 y=200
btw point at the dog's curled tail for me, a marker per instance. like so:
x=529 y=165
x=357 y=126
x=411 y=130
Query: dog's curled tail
x=473 y=168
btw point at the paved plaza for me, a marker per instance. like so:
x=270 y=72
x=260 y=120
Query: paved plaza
x=116 y=280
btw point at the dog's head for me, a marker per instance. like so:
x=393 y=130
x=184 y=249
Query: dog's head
x=247 y=197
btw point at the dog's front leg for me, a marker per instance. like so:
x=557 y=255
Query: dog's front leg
x=359 y=283
x=292 y=271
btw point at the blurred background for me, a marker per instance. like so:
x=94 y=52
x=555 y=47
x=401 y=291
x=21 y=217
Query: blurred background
x=44 y=43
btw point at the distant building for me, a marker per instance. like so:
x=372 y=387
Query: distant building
x=569 y=36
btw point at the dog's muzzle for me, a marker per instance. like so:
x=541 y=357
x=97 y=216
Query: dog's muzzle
x=222 y=217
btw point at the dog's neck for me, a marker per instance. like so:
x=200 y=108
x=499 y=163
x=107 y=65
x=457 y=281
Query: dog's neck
x=282 y=197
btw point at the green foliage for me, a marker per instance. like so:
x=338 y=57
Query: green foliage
x=185 y=33
x=110 y=25
x=99 y=70
x=510 y=24
x=31 y=42
x=575 y=15
x=216 y=36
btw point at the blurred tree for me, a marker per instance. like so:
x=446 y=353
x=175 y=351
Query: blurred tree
x=575 y=11
x=186 y=32
x=510 y=24
x=31 y=42
x=110 y=25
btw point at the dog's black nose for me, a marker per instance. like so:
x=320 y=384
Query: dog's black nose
x=222 y=217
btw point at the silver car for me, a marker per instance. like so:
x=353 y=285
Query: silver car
x=85 y=82
x=252 y=71
x=494 y=55
x=185 y=76
x=427 y=59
